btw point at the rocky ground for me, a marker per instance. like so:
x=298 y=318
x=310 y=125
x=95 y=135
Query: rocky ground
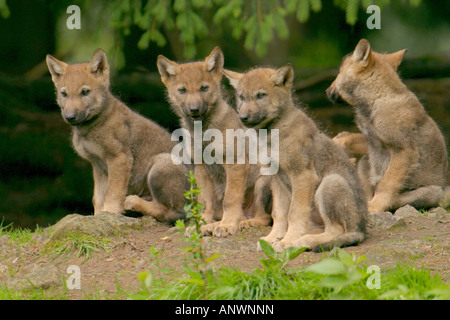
x=407 y=236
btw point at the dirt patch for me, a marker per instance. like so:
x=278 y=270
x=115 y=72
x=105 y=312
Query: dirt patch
x=408 y=236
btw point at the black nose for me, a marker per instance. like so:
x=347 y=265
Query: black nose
x=329 y=92
x=244 y=117
x=333 y=95
x=194 y=109
x=70 y=117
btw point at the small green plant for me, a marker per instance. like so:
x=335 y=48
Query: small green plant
x=83 y=244
x=193 y=209
x=199 y=270
x=198 y=267
x=341 y=271
x=278 y=261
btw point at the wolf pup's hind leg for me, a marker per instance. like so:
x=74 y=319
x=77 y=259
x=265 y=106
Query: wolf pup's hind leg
x=341 y=213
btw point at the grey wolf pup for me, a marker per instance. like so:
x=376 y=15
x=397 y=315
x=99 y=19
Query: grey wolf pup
x=318 y=201
x=406 y=159
x=228 y=190
x=130 y=155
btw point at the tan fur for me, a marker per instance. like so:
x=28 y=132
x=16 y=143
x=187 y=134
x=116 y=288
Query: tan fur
x=406 y=160
x=130 y=155
x=354 y=143
x=316 y=186
x=195 y=95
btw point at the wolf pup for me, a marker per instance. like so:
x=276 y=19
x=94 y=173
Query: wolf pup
x=130 y=154
x=406 y=160
x=318 y=201
x=194 y=92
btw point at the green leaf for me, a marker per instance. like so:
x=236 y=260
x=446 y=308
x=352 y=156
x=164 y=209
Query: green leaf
x=352 y=11
x=291 y=5
x=345 y=258
x=294 y=252
x=251 y=37
x=281 y=26
x=196 y=281
x=334 y=282
x=395 y=293
x=360 y=259
x=212 y=258
x=316 y=5
x=144 y=40
x=265 y=33
x=4 y=9
x=303 y=11
x=327 y=267
x=179 y=5
x=179 y=224
x=158 y=38
x=267 y=249
x=221 y=15
x=143 y=275
x=439 y=293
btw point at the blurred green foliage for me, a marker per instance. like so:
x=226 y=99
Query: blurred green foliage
x=4 y=10
x=255 y=21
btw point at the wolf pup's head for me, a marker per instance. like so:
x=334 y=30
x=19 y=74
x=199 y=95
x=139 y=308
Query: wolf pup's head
x=193 y=88
x=82 y=89
x=261 y=93
x=363 y=71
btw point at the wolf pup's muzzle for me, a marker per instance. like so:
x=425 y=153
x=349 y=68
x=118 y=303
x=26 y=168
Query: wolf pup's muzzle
x=74 y=118
x=334 y=96
x=195 y=111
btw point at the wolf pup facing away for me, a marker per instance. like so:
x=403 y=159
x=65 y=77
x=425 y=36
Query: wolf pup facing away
x=406 y=161
x=227 y=189
x=130 y=154
x=318 y=201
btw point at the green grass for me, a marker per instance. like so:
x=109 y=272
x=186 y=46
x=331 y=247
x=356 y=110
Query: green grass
x=19 y=236
x=80 y=243
x=35 y=294
x=340 y=277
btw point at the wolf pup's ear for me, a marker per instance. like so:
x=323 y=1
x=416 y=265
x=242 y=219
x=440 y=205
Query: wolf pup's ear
x=233 y=77
x=362 y=51
x=166 y=68
x=99 y=63
x=214 y=62
x=394 y=59
x=284 y=76
x=57 y=68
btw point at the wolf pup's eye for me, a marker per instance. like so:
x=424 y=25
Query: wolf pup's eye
x=204 y=88
x=85 y=92
x=241 y=97
x=182 y=90
x=260 y=95
x=64 y=94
